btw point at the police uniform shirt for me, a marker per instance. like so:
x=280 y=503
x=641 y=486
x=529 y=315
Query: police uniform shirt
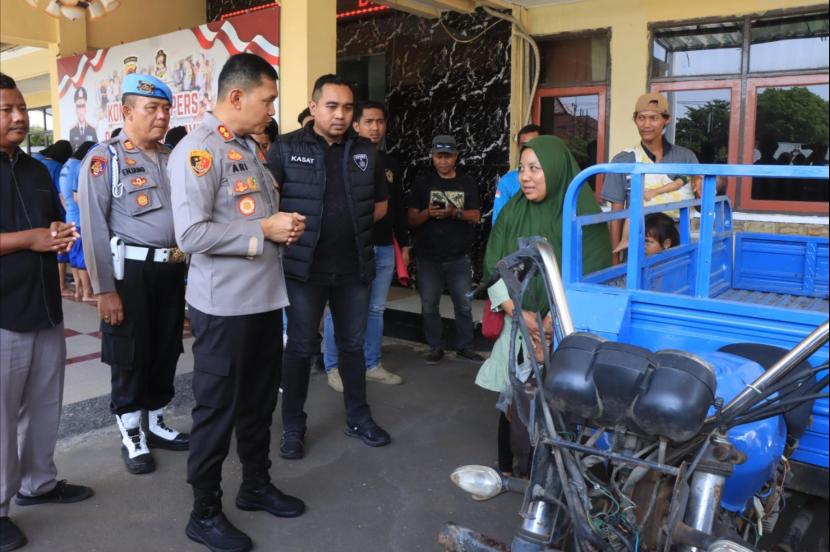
x=137 y=208
x=221 y=193
x=78 y=135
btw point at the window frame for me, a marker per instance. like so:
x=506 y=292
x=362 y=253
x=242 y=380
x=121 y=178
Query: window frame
x=740 y=191
x=600 y=90
x=746 y=201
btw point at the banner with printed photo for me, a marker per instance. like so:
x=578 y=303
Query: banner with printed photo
x=189 y=62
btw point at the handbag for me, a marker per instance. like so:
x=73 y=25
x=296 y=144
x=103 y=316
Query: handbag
x=400 y=267
x=492 y=323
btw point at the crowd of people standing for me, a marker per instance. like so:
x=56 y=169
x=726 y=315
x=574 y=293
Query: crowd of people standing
x=303 y=229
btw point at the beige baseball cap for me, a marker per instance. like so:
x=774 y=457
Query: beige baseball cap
x=653 y=101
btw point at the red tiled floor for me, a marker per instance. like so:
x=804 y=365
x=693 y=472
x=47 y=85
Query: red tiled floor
x=69 y=333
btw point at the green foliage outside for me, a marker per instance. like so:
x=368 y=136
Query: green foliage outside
x=792 y=115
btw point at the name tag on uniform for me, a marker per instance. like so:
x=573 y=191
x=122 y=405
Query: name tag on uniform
x=302 y=159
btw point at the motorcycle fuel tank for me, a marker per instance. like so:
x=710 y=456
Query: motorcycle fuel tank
x=762 y=442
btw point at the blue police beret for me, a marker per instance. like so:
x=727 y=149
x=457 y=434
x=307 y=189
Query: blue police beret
x=146 y=85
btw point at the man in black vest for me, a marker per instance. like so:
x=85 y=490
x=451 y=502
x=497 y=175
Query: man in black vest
x=337 y=182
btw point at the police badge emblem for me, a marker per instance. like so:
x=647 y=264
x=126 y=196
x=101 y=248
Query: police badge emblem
x=246 y=205
x=142 y=200
x=97 y=165
x=146 y=87
x=361 y=160
x=240 y=186
x=200 y=162
x=139 y=181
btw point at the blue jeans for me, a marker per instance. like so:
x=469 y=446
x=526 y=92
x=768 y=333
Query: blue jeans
x=349 y=304
x=432 y=277
x=384 y=270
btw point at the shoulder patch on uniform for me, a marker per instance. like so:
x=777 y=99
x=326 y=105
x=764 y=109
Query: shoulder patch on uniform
x=97 y=165
x=200 y=162
x=224 y=132
x=361 y=160
x=390 y=176
x=234 y=155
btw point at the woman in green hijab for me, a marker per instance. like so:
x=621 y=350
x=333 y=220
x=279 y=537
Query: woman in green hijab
x=546 y=169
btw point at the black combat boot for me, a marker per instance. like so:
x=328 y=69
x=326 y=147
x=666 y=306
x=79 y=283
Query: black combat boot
x=209 y=526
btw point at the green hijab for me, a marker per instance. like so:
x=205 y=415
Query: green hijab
x=522 y=218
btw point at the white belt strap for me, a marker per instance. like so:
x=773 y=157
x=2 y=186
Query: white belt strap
x=136 y=253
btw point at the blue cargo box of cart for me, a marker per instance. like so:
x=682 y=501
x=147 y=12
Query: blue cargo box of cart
x=716 y=289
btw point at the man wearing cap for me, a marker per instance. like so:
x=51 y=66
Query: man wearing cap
x=444 y=207
x=82 y=131
x=135 y=269
x=651 y=115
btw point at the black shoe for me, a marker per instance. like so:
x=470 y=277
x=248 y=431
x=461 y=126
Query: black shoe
x=369 y=432
x=269 y=498
x=292 y=444
x=180 y=442
x=63 y=493
x=469 y=354
x=11 y=537
x=139 y=465
x=317 y=363
x=435 y=355
x=216 y=532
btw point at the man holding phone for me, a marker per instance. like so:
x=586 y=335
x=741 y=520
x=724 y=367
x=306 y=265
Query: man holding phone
x=444 y=206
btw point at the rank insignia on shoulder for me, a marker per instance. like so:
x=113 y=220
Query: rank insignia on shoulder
x=246 y=205
x=390 y=176
x=200 y=162
x=224 y=132
x=128 y=145
x=139 y=181
x=142 y=200
x=130 y=161
x=97 y=165
x=234 y=155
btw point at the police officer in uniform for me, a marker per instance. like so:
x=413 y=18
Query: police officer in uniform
x=82 y=131
x=226 y=215
x=135 y=269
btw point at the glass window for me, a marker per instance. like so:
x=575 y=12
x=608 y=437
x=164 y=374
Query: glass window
x=574 y=60
x=788 y=43
x=574 y=119
x=791 y=128
x=700 y=122
x=711 y=49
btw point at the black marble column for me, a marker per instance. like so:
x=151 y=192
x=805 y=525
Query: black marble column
x=437 y=85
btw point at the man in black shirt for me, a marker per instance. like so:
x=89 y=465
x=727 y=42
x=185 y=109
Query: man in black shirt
x=370 y=123
x=444 y=207
x=32 y=345
x=337 y=182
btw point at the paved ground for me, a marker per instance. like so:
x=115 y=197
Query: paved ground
x=395 y=498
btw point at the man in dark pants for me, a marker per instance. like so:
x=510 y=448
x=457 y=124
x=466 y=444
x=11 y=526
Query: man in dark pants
x=135 y=269
x=227 y=217
x=32 y=345
x=338 y=183
x=444 y=207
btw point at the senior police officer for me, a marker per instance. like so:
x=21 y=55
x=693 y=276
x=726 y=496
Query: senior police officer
x=135 y=269
x=226 y=216
x=82 y=131
x=339 y=183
